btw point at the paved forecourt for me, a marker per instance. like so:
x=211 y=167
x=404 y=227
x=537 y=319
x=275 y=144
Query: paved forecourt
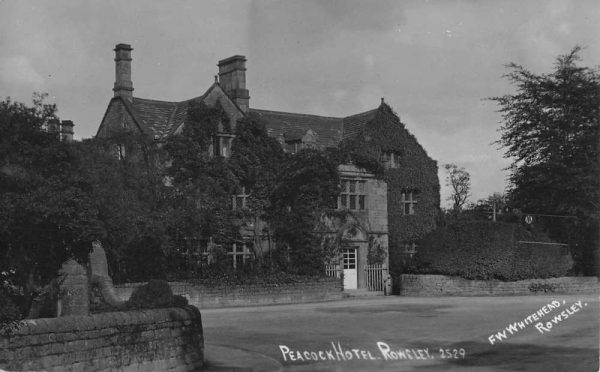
x=526 y=333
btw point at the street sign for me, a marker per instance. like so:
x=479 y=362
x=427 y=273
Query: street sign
x=528 y=219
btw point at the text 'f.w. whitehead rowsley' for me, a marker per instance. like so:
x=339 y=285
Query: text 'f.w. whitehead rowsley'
x=387 y=212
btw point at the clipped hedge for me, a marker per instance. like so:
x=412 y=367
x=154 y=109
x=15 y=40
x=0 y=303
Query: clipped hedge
x=155 y=294
x=489 y=250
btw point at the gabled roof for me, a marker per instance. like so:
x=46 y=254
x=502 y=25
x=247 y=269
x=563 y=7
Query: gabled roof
x=160 y=119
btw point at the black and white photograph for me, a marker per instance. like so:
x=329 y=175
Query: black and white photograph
x=286 y=185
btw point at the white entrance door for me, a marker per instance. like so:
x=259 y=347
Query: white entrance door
x=350 y=278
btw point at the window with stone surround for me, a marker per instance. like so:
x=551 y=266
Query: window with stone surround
x=409 y=202
x=353 y=195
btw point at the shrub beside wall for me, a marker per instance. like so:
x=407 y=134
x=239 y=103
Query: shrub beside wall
x=489 y=250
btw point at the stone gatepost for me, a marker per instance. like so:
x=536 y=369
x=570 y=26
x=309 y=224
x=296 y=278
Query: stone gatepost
x=74 y=289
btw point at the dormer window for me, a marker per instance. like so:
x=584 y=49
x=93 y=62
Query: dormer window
x=293 y=146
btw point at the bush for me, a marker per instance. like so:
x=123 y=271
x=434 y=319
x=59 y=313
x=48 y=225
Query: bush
x=154 y=294
x=9 y=311
x=489 y=250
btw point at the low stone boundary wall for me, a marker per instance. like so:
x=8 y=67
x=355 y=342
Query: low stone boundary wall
x=440 y=285
x=144 y=340
x=205 y=297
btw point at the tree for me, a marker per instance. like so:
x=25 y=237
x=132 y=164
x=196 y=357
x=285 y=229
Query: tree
x=306 y=187
x=256 y=160
x=550 y=129
x=494 y=207
x=459 y=180
x=46 y=214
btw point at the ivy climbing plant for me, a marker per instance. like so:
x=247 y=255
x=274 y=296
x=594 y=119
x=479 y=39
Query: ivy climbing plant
x=413 y=172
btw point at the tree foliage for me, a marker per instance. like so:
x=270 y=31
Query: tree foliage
x=459 y=181
x=306 y=187
x=46 y=213
x=550 y=129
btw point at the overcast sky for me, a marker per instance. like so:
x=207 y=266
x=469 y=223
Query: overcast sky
x=433 y=61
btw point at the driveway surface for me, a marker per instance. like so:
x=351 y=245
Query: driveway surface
x=417 y=334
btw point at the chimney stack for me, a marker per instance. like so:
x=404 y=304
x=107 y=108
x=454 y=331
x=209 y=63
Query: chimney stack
x=232 y=77
x=54 y=126
x=123 y=84
x=66 y=131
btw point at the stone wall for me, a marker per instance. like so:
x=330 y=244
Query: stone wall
x=145 y=340
x=249 y=295
x=440 y=285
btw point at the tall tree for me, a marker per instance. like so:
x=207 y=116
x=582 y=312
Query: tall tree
x=459 y=180
x=256 y=160
x=550 y=130
x=306 y=187
x=46 y=214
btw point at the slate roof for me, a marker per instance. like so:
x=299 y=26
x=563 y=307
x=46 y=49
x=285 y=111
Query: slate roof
x=293 y=126
x=159 y=119
x=330 y=130
x=353 y=124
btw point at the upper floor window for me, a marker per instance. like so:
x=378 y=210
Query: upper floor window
x=240 y=200
x=353 y=195
x=410 y=248
x=390 y=159
x=221 y=145
x=409 y=201
x=120 y=151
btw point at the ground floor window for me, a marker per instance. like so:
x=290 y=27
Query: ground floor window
x=240 y=254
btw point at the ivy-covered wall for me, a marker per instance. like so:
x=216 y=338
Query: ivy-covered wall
x=413 y=171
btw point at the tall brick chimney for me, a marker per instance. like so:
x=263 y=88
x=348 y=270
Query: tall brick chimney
x=232 y=77
x=123 y=84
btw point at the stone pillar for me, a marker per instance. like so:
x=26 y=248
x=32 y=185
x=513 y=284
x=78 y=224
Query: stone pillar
x=99 y=278
x=74 y=290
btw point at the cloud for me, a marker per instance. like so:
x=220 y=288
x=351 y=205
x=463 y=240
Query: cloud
x=19 y=70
